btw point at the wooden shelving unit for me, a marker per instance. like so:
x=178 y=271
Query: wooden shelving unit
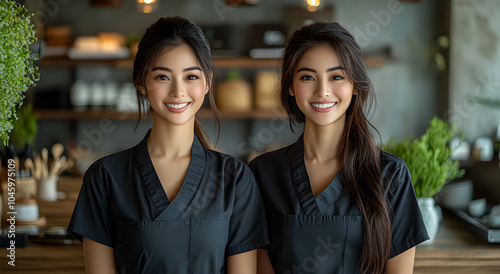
x=238 y=62
x=53 y=114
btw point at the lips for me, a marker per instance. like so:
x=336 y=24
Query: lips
x=323 y=106
x=177 y=107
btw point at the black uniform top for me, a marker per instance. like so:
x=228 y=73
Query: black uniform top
x=218 y=212
x=324 y=234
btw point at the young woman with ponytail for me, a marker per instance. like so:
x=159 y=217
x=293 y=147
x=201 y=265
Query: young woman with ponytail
x=170 y=204
x=335 y=203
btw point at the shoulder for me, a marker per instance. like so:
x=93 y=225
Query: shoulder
x=392 y=162
x=108 y=164
x=394 y=170
x=271 y=160
x=229 y=164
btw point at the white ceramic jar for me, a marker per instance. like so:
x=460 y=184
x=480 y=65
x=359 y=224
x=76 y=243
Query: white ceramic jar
x=80 y=95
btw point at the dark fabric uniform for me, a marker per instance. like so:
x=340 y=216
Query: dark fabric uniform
x=324 y=234
x=218 y=212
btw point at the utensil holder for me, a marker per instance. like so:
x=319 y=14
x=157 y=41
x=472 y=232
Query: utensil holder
x=47 y=189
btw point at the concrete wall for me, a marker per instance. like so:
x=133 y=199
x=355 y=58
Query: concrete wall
x=474 y=72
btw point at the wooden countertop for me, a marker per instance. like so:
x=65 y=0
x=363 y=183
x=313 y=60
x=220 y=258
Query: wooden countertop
x=455 y=250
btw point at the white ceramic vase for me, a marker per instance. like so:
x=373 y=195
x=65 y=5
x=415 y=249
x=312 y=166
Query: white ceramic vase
x=430 y=216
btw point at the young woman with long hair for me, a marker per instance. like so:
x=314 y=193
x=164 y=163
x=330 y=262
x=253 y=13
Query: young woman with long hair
x=335 y=202
x=170 y=204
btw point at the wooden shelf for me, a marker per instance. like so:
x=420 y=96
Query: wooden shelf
x=56 y=114
x=245 y=62
x=64 y=61
x=238 y=62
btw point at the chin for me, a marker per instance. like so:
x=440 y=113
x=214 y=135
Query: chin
x=178 y=121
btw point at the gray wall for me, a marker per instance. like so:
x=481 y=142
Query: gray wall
x=406 y=86
x=474 y=77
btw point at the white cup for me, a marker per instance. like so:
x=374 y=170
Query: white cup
x=47 y=189
x=477 y=208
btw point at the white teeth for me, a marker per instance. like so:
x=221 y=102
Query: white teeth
x=329 y=105
x=177 y=105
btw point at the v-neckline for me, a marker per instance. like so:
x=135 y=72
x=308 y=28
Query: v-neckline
x=298 y=171
x=170 y=210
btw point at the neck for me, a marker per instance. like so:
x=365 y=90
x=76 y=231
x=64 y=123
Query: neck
x=321 y=142
x=169 y=140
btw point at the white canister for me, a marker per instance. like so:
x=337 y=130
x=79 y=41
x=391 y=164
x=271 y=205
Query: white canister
x=126 y=101
x=27 y=210
x=485 y=147
x=97 y=97
x=80 y=95
x=47 y=189
x=110 y=91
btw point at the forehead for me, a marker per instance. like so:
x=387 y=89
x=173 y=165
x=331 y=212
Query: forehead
x=321 y=56
x=181 y=56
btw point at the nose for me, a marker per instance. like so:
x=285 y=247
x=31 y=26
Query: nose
x=323 y=88
x=177 y=89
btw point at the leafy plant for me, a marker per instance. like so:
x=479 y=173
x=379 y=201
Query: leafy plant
x=25 y=127
x=17 y=71
x=428 y=158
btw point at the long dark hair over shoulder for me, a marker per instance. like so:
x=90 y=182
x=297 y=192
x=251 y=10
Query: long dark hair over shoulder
x=174 y=31
x=358 y=152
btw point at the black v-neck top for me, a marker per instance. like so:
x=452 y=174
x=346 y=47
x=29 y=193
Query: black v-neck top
x=324 y=234
x=218 y=212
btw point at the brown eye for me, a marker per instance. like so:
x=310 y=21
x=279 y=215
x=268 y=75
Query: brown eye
x=162 y=77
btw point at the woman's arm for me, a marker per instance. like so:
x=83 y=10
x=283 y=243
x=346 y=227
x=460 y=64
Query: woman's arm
x=401 y=264
x=244 y=263
x=264 y=265
x=99 y=259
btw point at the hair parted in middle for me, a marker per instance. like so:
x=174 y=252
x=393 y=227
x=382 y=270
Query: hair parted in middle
x=359 y=154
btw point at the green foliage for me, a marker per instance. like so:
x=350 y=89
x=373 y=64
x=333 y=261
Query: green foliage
x=17 y=71
x=428 y=158
x=25 y=127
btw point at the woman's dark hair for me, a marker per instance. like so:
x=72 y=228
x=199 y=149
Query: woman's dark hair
x=358 y=152
x=174 y=31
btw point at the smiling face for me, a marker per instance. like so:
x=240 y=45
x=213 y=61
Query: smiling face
x=176 y=85
x=320 y=87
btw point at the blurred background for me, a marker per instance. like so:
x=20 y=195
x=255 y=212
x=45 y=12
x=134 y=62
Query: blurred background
x=425 y=58
x=406 y=45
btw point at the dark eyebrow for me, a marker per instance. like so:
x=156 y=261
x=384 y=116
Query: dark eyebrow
x=169 y=70
x=328 y=70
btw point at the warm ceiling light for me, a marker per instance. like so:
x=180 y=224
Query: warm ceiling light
x=311 y=8
x=147 y=6
x=313 y=3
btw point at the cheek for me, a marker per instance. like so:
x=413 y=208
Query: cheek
x=197 y=91
x=302 y=91
x=155 y=93
x=345 y=92
x=301 y=97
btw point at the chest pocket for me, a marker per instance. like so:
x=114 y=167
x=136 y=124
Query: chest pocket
x=191 y=246
x=315 y=243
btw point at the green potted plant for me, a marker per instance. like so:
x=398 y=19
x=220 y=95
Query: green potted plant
x=17 y=71
x=430 y=165
x=24 y=128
